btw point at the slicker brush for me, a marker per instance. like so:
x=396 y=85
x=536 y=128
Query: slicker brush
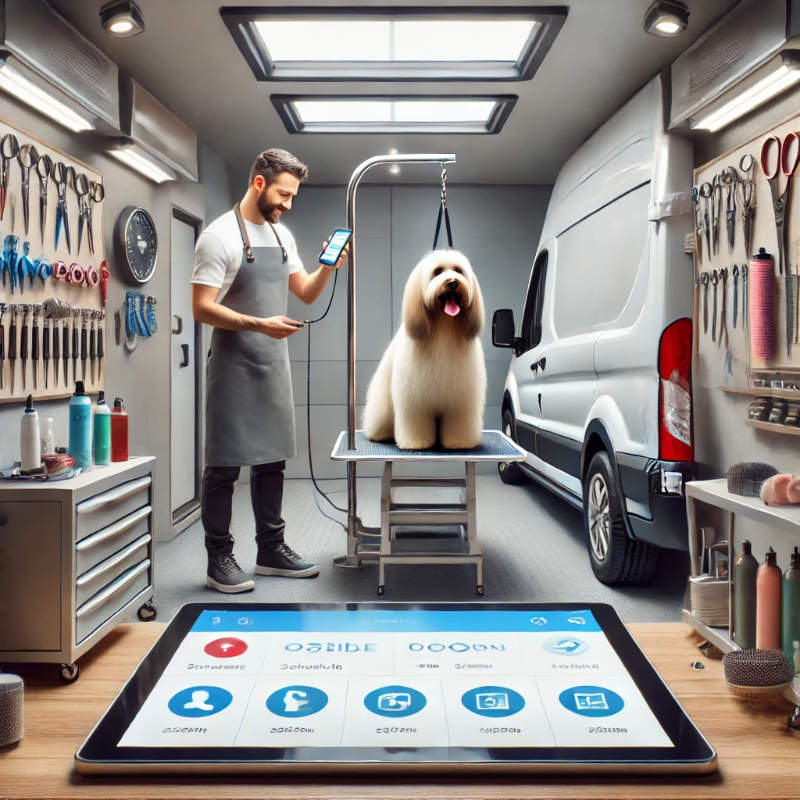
x=757 y=673
x=746 y=478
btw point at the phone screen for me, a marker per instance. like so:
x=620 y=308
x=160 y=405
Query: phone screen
x=338 y=241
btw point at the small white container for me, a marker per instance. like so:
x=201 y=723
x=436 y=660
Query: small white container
x=30 y=442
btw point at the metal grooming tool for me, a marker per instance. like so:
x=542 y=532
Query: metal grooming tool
x=65 y=349
x=746 y=187
x=44 y=166
x=730 y=178
x=745 y=300
x=75 y=318
x=100 y=349
x=735 y=273
x=92 y=343
x=23 y=342
x=716 y=211
x=699 y=224
x=35 y=344
x=714 y=282
x=2 y=343
x=12 y=344
x=723 y=317
x=705 y=192
x=84 y=344
x=704 y=283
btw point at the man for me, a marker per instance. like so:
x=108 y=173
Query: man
x=245 y=261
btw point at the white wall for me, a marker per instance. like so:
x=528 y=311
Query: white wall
x=496 y=226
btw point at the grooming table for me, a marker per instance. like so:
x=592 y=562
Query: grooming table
x=494 y=447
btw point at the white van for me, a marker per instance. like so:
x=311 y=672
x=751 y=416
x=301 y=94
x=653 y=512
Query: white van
x=599 y=388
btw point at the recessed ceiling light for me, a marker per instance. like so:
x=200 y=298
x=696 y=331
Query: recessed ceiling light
x=122 y=18
x=666 y=18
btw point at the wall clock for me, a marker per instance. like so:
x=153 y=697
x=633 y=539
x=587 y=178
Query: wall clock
x=138 y=243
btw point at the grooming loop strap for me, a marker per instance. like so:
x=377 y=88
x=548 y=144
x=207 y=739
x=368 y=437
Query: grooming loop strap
x=443 y=212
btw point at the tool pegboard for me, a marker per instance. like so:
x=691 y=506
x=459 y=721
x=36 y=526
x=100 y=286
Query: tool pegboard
x=54 y=271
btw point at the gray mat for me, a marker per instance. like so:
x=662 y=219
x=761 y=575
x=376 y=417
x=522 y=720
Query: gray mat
x=533 y=544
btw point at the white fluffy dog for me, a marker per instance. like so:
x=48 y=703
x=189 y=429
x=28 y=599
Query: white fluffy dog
x=433 y=369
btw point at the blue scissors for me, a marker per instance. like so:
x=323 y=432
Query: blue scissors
x=63 y=176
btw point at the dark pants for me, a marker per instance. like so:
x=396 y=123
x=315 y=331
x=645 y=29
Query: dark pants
x=266 y=494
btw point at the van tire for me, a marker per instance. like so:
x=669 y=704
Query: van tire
x=510 y=471
x=616 y=559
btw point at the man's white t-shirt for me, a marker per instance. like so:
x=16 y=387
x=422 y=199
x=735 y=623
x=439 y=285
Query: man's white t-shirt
x=219 y=250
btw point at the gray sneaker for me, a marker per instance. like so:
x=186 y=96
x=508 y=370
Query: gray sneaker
x=284 y=562
x=225 y=575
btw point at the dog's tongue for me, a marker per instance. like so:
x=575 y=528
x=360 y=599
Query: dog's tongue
x=452 y=308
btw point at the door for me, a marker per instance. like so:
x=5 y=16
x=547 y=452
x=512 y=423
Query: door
x=184 y=449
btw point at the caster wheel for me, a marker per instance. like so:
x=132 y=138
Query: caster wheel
x=147 y=612
x=381 y=589
x=479 y=590
x=69 y=672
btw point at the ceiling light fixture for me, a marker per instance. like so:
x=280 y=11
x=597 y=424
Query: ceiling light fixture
x=136 y=158
x=122 y=18
x=666 y=18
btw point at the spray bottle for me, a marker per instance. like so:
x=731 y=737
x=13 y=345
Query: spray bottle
x=30 y=445
x=790 y=616
x=745 y=569
x=80 y=428
x=119 y=432
x=102 y=431
x=768 y=603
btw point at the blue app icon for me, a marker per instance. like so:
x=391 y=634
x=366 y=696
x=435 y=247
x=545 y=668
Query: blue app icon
x=200 y=701
x=297 y=701
x=565 y=646
x=493 y=701
x=591 y=701
x=395 y=701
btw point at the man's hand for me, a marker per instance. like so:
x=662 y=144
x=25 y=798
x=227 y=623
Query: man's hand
x=279 y=327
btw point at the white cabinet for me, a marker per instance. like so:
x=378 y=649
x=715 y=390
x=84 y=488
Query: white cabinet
x=76 y=558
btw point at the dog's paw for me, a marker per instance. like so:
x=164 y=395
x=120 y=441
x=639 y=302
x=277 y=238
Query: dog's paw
x=414 y=444
x=460 y=443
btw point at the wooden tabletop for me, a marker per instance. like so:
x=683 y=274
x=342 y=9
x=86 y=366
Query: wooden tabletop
x=758 y=756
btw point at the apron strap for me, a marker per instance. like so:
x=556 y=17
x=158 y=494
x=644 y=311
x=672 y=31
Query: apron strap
x=248 y=249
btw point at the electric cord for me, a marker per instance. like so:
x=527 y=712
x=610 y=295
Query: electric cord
x=310 y=322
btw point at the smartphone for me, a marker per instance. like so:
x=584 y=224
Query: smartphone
x=336 y=243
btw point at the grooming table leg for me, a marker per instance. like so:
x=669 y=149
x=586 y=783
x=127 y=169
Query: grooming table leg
x=386 y=541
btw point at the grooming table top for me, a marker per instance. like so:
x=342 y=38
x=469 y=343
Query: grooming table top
x=496 y=446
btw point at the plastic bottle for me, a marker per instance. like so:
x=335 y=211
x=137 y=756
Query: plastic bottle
x=48 y=438
x=119 y=432
x=80 y=428
x=101 y=446
x=745 y=570
x=790 y=608
x=768 y=603
x=30 y=444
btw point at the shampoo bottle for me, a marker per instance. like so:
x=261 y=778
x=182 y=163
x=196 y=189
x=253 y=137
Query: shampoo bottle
x=102 y=431
x=745 y=569
x=768 y=603
x=790 y=616
x=48 y=438
x=119 y=432
x=80 y=428
x=30 y=445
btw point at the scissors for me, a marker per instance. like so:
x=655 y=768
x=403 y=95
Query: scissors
x=730 y=177
x=705 y=192
x=746 y=186
x=88 y=193
x=63 y=176
x=44 y=166
x=28 y=157
x=9 y=148
x=787 y=157
x=699 y=224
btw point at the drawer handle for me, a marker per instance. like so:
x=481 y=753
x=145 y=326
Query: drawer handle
x=113 y=530
x=101 y=598
x=113 y=495
x=113 y=561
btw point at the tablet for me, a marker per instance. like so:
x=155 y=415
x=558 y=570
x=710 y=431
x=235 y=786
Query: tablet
x=367 y=687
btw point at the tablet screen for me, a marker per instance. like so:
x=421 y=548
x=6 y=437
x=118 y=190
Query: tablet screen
x=342 y=683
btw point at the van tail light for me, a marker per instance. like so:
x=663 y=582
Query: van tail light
x=675 y=392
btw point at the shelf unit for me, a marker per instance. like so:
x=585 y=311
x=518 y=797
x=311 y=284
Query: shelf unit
x=763 y=391
x=773 y=426
x=784 y=518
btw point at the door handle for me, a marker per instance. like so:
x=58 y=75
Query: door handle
x=185 y=351
x=179 y=329
x=542 y=363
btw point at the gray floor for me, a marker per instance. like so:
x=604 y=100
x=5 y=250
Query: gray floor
x=533 y=548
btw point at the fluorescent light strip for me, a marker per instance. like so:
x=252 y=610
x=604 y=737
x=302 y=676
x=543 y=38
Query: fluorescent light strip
x=388 y=41
x=761 y=91
x=388 y=111
x=132 y=157
x=26 y=90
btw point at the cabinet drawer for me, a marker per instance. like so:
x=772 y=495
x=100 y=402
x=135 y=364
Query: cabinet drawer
x=90 y=583
x=95 y=611
x=101 y=510
x=93 y=549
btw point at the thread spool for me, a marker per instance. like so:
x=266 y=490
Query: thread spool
x=11 y=709
x=762 y=305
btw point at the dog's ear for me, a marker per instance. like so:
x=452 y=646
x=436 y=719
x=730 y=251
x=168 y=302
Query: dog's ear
x=473 y=314
x=416 y=318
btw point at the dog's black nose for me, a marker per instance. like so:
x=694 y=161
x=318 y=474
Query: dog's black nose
x=453 y=284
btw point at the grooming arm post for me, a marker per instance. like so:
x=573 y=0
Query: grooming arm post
x=399 y=158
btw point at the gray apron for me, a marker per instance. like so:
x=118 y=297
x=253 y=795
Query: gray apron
x=249 y=403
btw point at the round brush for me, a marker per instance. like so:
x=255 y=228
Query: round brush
x=746 y=478
x=757 y=673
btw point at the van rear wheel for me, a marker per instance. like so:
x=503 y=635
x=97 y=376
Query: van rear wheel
x=615 y=557
x=510 y=471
